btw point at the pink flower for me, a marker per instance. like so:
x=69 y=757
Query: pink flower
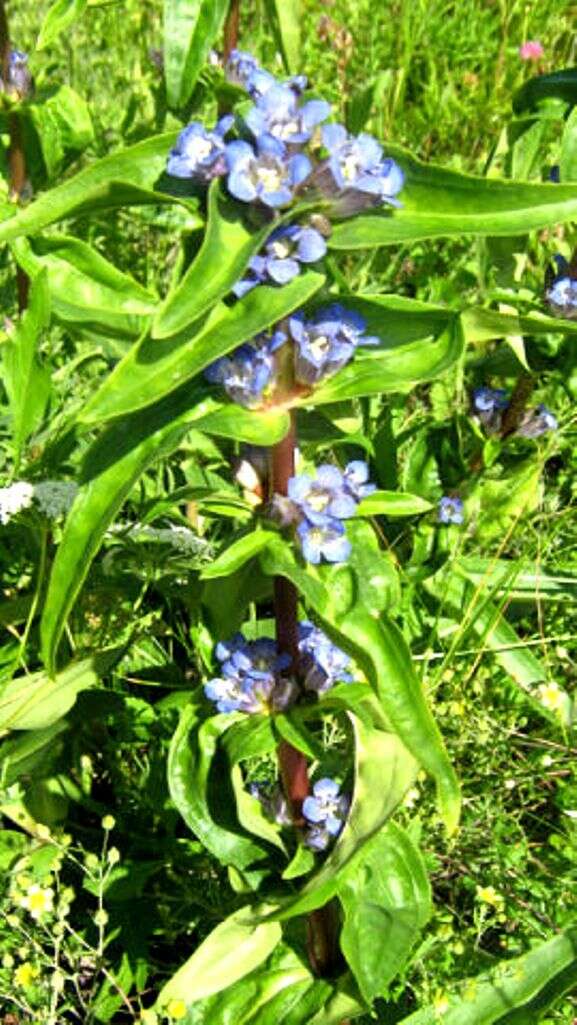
x=531 y=50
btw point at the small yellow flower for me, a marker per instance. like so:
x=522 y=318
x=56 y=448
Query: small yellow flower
x=38 y=900
x=489 y=895
x=101 y=918
x=25 y=974
x=113 y=856
x=440 y=1004
x=108 y=822
x=552 y=696
x=457 y=708
x=176 y=1010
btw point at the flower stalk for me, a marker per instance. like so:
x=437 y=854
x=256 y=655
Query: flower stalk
x=16 y=159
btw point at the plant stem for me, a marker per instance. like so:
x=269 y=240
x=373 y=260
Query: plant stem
x=514 y=412
x=16 y=159
x=322 y=924
x=231 y=28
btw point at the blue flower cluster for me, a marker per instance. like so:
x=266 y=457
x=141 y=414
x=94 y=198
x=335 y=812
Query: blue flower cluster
x=325 y=812
x=254 y=676
x=272 y=167
x=322 y=663
x=19 y=78
x=562 y=293
x=247 y=373
x=319 y=505
x=251 y=677
x=283 y=254
x=490 y=405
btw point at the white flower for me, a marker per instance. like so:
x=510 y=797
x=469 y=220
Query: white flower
x=14 y=498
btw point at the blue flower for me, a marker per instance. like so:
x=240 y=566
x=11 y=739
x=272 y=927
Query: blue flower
x=285 y=250
x=488 y=400
x=451 y=510
x=323 y=541
x=357 y=164
x=326 y=811
x=323 y=497
x=356 y=475
x=19 y=77
x=562 y=296
x=269 y=175
x=200 y=154
x=251 y=679
x=537 y=422
x=240 y=68
x=321 y=661
x=327 y=342
x=277 y=113
x=247 y=372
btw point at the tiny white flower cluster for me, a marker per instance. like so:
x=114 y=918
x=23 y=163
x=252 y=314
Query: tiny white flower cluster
x=181 y=538
x=54 y=498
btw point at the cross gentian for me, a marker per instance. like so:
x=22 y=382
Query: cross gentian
x=327 y=342
x=240 y=68
x=200 y=154
x=323 y=496
x=450 y=510
x=323 y=541
x=269 y=175
x=562 y=296
x=326 y=811
x=277 y=113
x=356 y=476
x=322 y=662
x=285 y=250
x=250 y=680
x=19 y=77
x=248 y=371
x=489 y=405
x=357 y=163
x=537 y=422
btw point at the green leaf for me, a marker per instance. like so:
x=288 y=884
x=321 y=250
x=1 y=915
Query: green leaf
x=481 y=325
x=58 y=18
x=519 y=581
x=26 y=381
x=257 y=427
x=190 y=30
x=232 y=950
x=286 y=17
x=198 y=779
x=568 y=158
x=64 y=126
x=560 y=85
x=238 y=553
x=392 y=503
x=223 y=257
x=112 y=466
x=387 y=900
x=383 y=771
x=439 y=203
x=85 y=289
x=128 y=178
x=36 y=701
x=494 y=996
x=154 y=368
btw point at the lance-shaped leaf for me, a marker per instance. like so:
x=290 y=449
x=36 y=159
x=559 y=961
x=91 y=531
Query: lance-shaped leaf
x=380 y=649
x=519 y=581
x=190 y=30
x=227 y=247
x=130 y=177
x=438 y=202
x=239 y=552
x=386 y=899
x=384 y=770
x=199 y=783
x=392 y=503
x=231 y=951
x=560 y=85
x=480 y=325
x=227 y=420
x=26 y=381
x=58 y=18
x=154 y=367
x=85 y=289
x=286 y=19
x=516 y=992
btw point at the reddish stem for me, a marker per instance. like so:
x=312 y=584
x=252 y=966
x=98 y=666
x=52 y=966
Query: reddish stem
x=231 y=27
x=16 y=159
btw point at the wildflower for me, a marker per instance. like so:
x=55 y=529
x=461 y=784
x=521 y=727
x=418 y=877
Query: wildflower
x=489 y=895
x=200 y=154
x=108 y=823
x=323 y=541
x=273 y=802
x=14 y=498
x=285 y=250
x=240 y=67
x=323 y=496
x=356 y=475
x=323 y=664
x=113 y=856
x=38 y=901
x=55 y=497
x=450 y=510
x=327 y=342
x=356 y=164
x=531 y=50
x=277 y=113
x=269 y=175
x=537 y=422
x=250 y=680
x=176 y=1010
x=489 y=405
x=20 y=82
x=25 y=974
x=325 y=811
x=552 y=696
x=562 y=295
x=100 y=918
x=248 y=371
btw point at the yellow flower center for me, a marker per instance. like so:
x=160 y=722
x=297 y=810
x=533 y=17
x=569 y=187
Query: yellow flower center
x=269 y=178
